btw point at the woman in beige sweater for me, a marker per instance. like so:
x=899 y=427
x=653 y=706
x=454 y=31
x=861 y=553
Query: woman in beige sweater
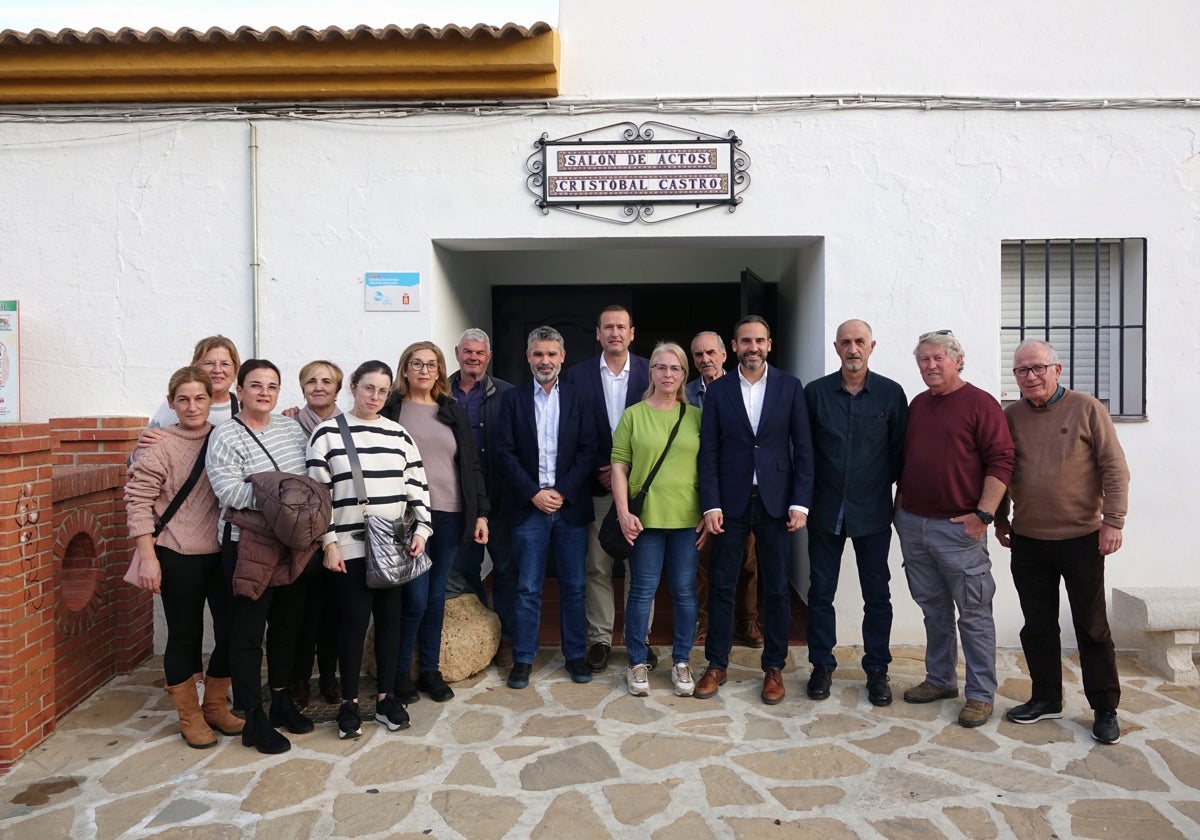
x=181 y=558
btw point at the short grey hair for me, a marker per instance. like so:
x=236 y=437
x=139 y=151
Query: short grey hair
x=475 y=334
x=713 y=333
x=1051 y=353
x=944 y=339
x=545 y=333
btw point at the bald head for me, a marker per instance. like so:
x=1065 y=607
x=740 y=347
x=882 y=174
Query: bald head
x=853 y=344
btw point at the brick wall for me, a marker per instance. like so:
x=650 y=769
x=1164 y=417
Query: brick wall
x=68 y=623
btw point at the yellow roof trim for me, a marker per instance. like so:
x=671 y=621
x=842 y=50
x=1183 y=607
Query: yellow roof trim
x=302 y=65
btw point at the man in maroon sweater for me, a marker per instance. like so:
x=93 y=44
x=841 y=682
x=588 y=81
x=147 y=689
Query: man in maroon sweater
x=1070 y=493
x=958 y=459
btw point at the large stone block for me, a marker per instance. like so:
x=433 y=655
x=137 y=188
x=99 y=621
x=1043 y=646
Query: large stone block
x=470 y=638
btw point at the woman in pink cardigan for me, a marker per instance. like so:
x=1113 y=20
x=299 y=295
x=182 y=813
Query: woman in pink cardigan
x=176 y=532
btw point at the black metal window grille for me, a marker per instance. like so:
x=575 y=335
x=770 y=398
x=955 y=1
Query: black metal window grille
x=1087 y=297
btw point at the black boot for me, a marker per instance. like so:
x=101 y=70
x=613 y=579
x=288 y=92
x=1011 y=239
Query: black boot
x=259 y=733
x=285 y=713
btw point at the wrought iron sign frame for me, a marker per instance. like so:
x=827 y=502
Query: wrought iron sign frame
x=640 y=143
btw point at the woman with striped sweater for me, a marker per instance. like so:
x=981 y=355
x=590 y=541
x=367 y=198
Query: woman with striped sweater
x=395 y=481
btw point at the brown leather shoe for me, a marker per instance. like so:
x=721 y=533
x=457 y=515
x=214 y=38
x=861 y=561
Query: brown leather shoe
x=701 y=633
x=709 y=682
x=751 y=634
x=772 y=690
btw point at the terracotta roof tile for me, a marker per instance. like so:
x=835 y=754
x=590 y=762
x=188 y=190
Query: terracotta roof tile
x=244 y=34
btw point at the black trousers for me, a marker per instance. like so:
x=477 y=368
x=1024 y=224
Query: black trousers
x=281 y=608
x=319 y=634
x=358 y=604
x=188 y=581
x=1037 y=568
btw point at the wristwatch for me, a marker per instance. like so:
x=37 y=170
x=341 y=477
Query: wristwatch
x=985 y=516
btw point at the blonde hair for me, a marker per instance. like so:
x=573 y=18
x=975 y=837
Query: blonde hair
x=673 y=348
x=184 y=375
x=206 y=345
x=441 y=385
x=311 y=368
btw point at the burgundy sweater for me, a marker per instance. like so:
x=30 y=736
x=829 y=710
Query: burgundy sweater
x=953 y=442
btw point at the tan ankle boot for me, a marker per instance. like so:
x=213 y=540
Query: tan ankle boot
x=216 y=707
x=191 y=720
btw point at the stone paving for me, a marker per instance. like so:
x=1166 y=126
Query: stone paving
x=559 y=760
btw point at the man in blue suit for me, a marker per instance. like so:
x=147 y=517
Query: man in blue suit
x=756 y=476
x=547 y=450
x=612 y=381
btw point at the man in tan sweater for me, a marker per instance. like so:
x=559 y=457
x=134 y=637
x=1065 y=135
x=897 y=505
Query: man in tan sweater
x=1069 y=490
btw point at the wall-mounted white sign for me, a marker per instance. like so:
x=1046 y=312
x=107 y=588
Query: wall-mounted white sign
x=393 y=291
x=646 y=165
x=10 y=362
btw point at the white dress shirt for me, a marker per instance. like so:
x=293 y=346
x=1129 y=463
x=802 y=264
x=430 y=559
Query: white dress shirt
x=546 y=413
x=616 y=391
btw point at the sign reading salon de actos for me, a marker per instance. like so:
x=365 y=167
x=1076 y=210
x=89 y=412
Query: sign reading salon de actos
x=640 y=169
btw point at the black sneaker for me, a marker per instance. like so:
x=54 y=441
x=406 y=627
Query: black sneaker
x=518 y=677
x=1105 y=729
x=391 y=713
x=1034 y=710
x=579 y=670
x=878 y=690
x=404 y=689
x=597 y=657
x=285 y=713
x=820 y=682
x=651 y=658
x=348 y=721
x=431 y=683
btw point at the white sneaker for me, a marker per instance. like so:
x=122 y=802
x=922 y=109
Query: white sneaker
x=681 y=678
x=639 y=680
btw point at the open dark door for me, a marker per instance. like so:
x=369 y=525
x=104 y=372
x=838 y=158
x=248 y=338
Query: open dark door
x=756 y=296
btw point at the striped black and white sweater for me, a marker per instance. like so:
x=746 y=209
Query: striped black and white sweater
x=392 y=472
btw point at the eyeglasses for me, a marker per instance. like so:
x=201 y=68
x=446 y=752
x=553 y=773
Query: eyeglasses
x=261 y=387
x=675 y=369
x=209 y=364
x=417 y=364
x=1036 y=370
x=926 y=336
x=368 y=391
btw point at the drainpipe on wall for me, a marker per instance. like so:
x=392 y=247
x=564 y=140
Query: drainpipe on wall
x=254 y=258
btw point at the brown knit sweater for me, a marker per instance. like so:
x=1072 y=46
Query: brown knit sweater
x=1070 y=471
x=155 y=476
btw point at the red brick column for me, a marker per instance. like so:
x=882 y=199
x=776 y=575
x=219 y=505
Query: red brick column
x=28 y=590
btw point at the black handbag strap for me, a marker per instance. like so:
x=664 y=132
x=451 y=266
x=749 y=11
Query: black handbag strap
x=360 y=486
x=650 y=478
x=186 y=489
x=258 y=440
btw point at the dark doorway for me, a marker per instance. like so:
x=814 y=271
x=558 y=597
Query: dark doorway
x=661 y=312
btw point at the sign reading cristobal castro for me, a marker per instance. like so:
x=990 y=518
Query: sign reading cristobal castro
x=10 y=363
x=581 y=173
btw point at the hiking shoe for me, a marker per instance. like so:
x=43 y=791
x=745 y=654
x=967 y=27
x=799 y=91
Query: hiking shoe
x=348 y=721
x=404 y=689
x=1105 y=729
x=1034 y=710
x=431 y=683
x=597 y=656
x=927 y=692
x=975 y=713
x=878 y=690
x=518 y=677
x=639 y=680
x=391 y=713
x=579 y=670
x=681 y=678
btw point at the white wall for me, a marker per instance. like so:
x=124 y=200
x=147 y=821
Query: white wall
x=127 y=241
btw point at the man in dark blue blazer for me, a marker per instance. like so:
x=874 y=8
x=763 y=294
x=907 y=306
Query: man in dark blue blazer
x=547 y=450
x=612 y=381
x=756 y=476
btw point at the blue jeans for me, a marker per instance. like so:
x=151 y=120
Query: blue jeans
x=825 y=562
x=676 y=547
x=774 y=550
x=947 y=570
x=531 y=544
x=469 y=564
x=424 y=599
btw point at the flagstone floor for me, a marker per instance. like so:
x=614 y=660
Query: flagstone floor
x=559 y=760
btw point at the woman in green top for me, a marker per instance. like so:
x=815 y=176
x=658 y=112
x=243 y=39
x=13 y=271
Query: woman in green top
x=666 y=530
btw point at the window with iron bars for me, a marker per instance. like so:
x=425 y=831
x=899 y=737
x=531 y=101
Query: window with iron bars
x=1087 y=297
